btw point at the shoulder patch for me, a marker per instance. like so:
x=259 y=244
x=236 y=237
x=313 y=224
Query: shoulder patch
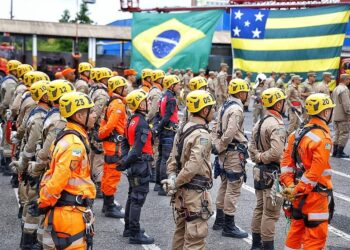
x=328 y=146
x=76 y=152
x=204 y=141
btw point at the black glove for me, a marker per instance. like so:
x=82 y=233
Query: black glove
x=121 y=165
x=214 y=151
x=35 y=211
x=293 y=109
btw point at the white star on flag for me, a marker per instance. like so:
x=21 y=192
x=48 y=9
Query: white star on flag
x=256 y=33
x=238 y=14
x=236 y=31
x=259 y=16
x=246 y=23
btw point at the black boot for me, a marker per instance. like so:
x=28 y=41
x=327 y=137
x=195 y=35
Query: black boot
x=7 y=169
x=127 y=232
x=219 y=220
x=340 y=153
x=153 y=175
x=28 y=241
x=2 y=164
x=110 y=209
x=14 y=180
x=157 y=187
x=140 y=238
x=268 y=245
x=256 y=243
x=335 y=150
x=99 y=194
x=20 y=212
x=161 y=191
x=230 y=229
x=246 y=109
x=37 y=246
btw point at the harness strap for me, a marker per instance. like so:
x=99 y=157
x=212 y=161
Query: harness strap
x=226 y=105
x=50 y=113
x=67 y=132
x=258 y=137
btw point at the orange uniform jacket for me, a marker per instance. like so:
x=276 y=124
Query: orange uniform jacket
x=115 y=120
x=146 y=86
x=69 y=170
x=314 y=150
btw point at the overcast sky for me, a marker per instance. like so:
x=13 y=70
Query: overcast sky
x=102 y=12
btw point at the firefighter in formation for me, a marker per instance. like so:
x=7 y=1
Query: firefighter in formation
x=66 y=143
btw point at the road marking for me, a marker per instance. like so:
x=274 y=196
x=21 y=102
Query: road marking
x=341 y=196
x=337 y=232
x=16 y=194
x=248 y=132
x=341 y=174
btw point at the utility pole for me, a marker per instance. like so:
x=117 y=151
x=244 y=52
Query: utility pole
x=11 y=10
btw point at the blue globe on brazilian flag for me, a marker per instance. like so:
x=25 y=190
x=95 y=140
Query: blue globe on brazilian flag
x=178 y=40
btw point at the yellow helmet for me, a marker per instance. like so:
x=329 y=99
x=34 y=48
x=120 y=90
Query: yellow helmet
x=12 y=65
x=316 y=103
x=84 y=66
x=146 y=73
x=103 y=73
x=237 y=85
x=170 y=80
x=271 y=96
x=116 y=82
x=72 y=102
x=197 y=83
x=38 y=89
x=198 y=99
x=22 y=69
x=134 y=98
x=156 y=74
x=34 y=76
x=57 y=88
x=93 y=73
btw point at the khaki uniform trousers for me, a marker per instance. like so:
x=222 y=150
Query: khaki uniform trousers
x=341 y=133
x=258 y=113
x=230 y=191
x=294 y=122
x=190 y=235
x=30 y=223
x=97 y=161
x=265 y=215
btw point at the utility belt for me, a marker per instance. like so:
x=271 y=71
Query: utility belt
x=114 y=137
x=200 y=183
x=146 y=157
x=68 y=199
x=264 y=175
x=95 y=149
x=297 y=212
x=189 y=216
x=172 y=126
x=240 y=148
x=27 y=179
x=136 y=181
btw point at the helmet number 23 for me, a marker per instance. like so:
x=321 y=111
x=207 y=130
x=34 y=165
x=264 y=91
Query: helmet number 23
x=79 y=102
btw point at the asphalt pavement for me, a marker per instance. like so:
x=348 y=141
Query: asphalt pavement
x=157 y=216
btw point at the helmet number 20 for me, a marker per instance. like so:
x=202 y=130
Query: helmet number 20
x=325 y=101
x=79 y=102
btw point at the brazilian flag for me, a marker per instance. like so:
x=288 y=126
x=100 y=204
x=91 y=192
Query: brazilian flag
x=177 y=40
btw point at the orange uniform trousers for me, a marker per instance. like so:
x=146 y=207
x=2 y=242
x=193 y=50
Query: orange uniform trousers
x=111 y=176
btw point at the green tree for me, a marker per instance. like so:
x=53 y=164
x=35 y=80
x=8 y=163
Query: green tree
x=83 y=15
x=65 y=17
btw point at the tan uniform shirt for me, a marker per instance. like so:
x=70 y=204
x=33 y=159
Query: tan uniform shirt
x=53 y=125
x=293 y=95
x=212 y=83
x=17 y=99
x=130 y=87
x=186 y=80
x=26 y=106
x=221 y=87
x=271 y=142
x=270 y=82
x=154 y=97
x=33 y=135
x=195 y=160
x=232 y=128
x=322 y=87
x=280 y=83
x=100 y=98
x=8 y=88
x=341 y=98
x=82 y=86
x=257 y=96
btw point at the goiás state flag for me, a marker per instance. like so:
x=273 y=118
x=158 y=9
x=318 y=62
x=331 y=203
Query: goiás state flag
x=288 y=41
x=177 y=40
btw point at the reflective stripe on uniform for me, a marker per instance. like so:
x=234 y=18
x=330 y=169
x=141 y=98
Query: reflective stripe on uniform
x=30 y=226
x=327 y=172
x=318 y=216
x=28 y=155
x=79 y=181
x=288 y=248
x=286 y=169
x=313 y=137
x=307 y=181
